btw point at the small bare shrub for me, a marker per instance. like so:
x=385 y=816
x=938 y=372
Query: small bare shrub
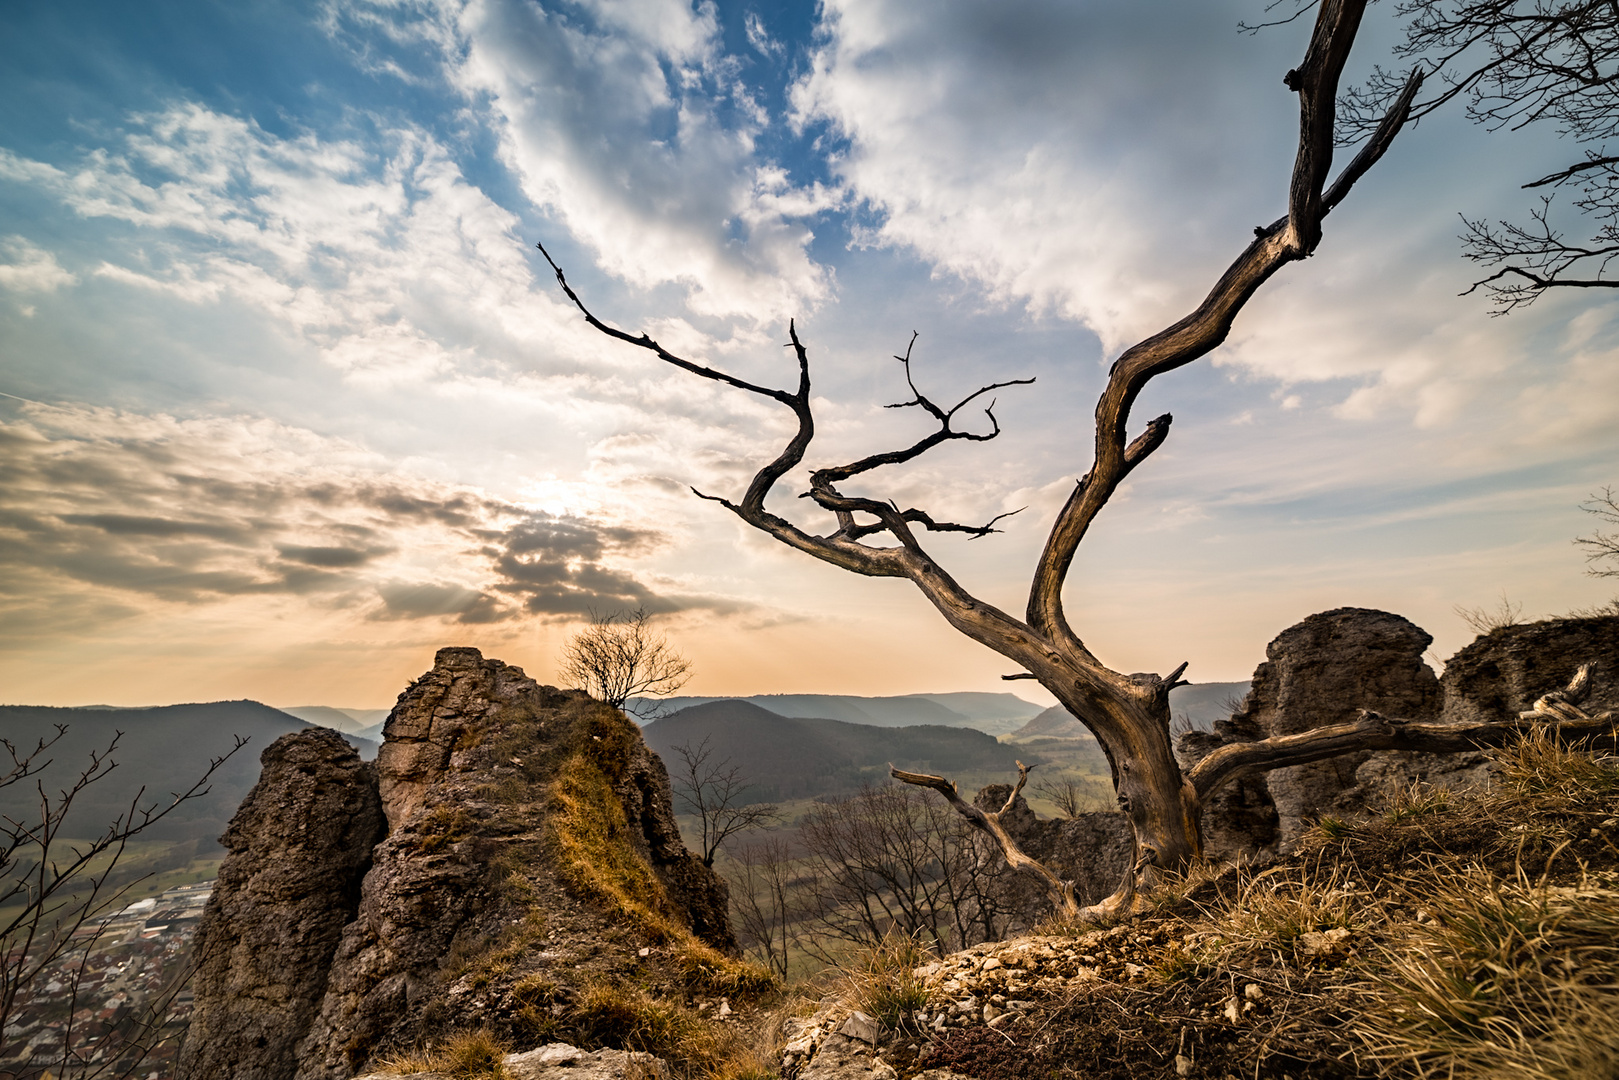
x=1487 y=621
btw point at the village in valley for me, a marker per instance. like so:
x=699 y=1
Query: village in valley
x=95 y=1005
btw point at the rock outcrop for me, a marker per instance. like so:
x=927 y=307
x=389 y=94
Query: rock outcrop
x=1330 y=666
x=1504 y=671
x=530 y=852
x=299 y=846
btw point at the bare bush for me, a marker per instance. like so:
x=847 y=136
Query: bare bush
x=1488 y=620
x=619 y=657
x=1600 y=546
x=714 y=792
x=890 y=860
x=767 y=899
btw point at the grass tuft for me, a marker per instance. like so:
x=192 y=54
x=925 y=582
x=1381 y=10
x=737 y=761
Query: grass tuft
x=1509 y=978
x=466 y=1055
x=882 y=981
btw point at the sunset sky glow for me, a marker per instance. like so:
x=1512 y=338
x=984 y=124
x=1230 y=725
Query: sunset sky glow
x=289 y=400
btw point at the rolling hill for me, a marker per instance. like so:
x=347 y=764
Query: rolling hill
x=802 y=757
x=163 y=750
x=1202 y=704
x=996 y=714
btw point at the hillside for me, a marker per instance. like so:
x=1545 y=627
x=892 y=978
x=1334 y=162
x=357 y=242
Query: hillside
x=995 y=714
x=1201 y=704
x=801 y=757
x=162 y=749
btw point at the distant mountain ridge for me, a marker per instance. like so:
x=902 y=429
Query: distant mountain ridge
x=787 y=757
x=1201 y=704
x=163 y=749
x=996 y=714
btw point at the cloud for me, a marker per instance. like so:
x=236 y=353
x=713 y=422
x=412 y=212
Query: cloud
x=1022 y=147
x=630 y=122
x=31 y=269
x=156 y=509
x=376 y=250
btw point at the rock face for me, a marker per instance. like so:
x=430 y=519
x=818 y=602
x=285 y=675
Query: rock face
x=1504 y=671
x=468 y=913
x=299 y=846
x=1328 y=667
x=1319 y=672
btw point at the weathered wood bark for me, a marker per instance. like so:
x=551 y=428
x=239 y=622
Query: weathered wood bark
x=1129 y=714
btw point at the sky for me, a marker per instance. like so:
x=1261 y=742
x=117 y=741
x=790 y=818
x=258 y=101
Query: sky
x=290 y=399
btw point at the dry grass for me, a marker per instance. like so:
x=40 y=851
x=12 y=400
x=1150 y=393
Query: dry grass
x=1506 y=979
x=466 y=1055
x=629 y=1018
x=1513 y=972
x=882 y=982
x=594 y=850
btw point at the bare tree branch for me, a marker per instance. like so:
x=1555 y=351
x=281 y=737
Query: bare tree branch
x=1373 y=731
x=1600 y=545
x=1516 y=63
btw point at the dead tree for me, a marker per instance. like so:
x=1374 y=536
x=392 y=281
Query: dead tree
x=1128 y=714
x=715 y=793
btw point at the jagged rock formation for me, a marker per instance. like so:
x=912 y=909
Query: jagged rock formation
x=299 y=845
x=1504 y=671
x=530 y=850
x=1327 y=668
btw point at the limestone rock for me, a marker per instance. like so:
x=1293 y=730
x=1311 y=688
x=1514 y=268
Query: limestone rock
x=1503 y=672
x=841 y=1058
x=1319 y=672
x=470 y=913
x=561 y=1061
x=1328 y=667
x=298 y=845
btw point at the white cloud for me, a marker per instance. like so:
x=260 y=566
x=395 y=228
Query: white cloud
x=1022 y=145
x=383 y=257
x=31 y=269
x=629 y=121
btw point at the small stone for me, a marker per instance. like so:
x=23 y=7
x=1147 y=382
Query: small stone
x=990 y=1013
x=1320 y=944
x=644 y=951
x=725 y=1008
x=1233 y=1009
x=1133 y=971
x=1183 y=1065
x=861 y=1027
x=991 y=964
x=1253 y=992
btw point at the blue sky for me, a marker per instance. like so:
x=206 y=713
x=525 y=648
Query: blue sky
x=291 y=400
